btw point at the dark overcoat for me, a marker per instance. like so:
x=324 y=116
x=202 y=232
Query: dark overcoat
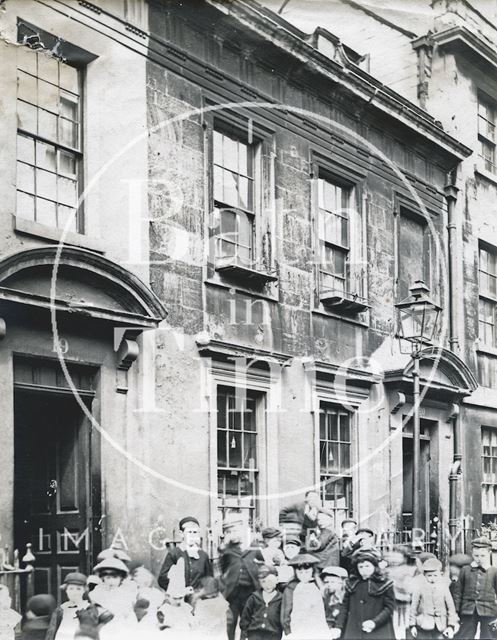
x=231 y=560
x=371 y=599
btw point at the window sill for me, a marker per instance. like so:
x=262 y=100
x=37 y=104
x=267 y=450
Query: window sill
x=338 y=316
x=239 y=288
x=343 y=303
x=234 y=271
x=486 y=350
x=38 y=230
x=487 y=175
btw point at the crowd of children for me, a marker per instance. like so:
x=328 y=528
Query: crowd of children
x=291 y=583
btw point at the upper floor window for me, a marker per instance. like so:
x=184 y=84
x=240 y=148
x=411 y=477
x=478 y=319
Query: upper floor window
x=334 y=235
x=487 y=315
x=413 y=252
x=49 y=139
x=341 y=273
x=487 y=115
x=234 y=195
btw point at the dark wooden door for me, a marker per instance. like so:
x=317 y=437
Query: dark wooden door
x=424 y=473
x=51 y=493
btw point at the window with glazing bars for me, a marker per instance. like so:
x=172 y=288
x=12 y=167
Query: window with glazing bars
x=488 y=296
x=487 y=110
x=334 y=235
x=237 y=436
x=335 y=445
x=489 y=470
x=234 y=194
x=48 y=140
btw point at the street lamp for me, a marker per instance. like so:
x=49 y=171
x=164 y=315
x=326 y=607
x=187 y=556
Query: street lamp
x=418 y=319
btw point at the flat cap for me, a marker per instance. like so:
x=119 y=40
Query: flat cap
x=271 y=532
x=481 y=543
x=265 y=571
x=365 y=530
x=292 y=539
x=186 y=519
x=42 y=604
x=460 y=559
x=432 y=564
x=426 y=555
x=76 y=578
x=303 y=558
x=339 y=572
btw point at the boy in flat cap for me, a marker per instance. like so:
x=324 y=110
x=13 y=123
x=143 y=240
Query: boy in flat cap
x=77 y=611
x=197 y=562
x=328 y=551
x=303 y=513
x=475 y=594
x=261 y=617
x=271 y=552
x=432 y=614
x=456 y=563
x=333 y=579
x=39 y=611
x=239 y=568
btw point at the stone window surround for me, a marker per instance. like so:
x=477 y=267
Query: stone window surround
x=323 y=387
x=321 y=166
x=485 y=139
x=486 y=296
x=262 y=139
x=267 y=385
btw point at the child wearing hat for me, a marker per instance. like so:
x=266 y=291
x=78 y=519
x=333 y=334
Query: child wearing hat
x=65 y=620
x=39 y=611
x=333 y=579
x=432 y=613
x=456 y=563
x=9 y=618
x=261 y=616
x=239 y=566
x=302 y=610
x=291 y=548
x=271 y=551
x=115 y=596
x=196 y=561
x=475 y=593
x=368 y=603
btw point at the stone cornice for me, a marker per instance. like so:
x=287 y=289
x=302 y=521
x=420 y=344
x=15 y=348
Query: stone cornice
x=463 y=36
x=351 y=77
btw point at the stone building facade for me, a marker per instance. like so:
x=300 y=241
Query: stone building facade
x=252 y=205
x=445 y=61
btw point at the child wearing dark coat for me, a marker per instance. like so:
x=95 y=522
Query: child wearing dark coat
x=39 y=611
x=369 y=602
x=76 y=614
x=333 y=579
x=261 y=616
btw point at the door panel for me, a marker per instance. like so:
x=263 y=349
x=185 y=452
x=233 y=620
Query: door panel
x=424 y=472
x=51 y=495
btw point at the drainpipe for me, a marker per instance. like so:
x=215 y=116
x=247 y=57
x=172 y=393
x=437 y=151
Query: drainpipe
x=455 y=474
